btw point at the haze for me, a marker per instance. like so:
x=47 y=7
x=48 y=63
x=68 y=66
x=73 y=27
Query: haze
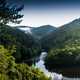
x=50 y=12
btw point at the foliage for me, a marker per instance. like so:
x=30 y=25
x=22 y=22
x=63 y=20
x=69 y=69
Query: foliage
x=68 y=56
x=26 y=47
x=7 y=63
x=9 y=12
x=9 y=70
x=30 y=73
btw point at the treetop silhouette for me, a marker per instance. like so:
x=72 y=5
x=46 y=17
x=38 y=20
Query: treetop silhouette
x=10 y=13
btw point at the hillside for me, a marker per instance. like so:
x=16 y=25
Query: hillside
x=38 y=32
x=24 y=43
x=42 y=31
x=65 y=34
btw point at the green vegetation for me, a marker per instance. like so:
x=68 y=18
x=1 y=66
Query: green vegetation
x=38 y=32
x=69 y=56
x=26 y=47
x=9 y=70
x=61 y=36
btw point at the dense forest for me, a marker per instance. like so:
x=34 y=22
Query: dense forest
x=26 y=47
x=10 y=70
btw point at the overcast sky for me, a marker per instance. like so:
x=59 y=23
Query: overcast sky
x=49 y=12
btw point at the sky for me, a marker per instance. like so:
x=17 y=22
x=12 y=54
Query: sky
x=49 y=12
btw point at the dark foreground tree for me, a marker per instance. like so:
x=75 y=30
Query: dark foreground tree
x=10 y=13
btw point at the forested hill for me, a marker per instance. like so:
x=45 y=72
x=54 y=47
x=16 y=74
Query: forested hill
x=66 y=34
x=26 y=47
x=40 y=32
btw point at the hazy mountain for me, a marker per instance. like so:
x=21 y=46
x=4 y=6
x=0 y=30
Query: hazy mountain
x=38 y=32
x=41 y=31
x=66 y=34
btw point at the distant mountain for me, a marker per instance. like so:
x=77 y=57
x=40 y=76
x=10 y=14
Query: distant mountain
x=38 y=32
x=41 y=31
x=66 y=34
x=50 y=36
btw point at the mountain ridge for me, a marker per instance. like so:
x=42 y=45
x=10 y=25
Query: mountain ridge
x=62 y=35
x=38 y=32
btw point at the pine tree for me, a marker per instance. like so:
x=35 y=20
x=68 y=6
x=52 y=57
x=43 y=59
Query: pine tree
x=10 y=13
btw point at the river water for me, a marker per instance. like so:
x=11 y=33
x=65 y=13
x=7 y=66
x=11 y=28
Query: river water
x=53 y=75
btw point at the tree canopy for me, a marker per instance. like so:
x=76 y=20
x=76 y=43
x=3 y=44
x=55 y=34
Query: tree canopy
x=9 y=70
x=10 y=13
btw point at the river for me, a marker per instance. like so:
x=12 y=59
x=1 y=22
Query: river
x=53 y=75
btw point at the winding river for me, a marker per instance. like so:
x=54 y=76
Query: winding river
x=53 y=75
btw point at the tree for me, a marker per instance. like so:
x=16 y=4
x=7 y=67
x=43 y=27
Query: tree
x=66 y=57
x=30 y=73
x=9 y=70
x=10 y=13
